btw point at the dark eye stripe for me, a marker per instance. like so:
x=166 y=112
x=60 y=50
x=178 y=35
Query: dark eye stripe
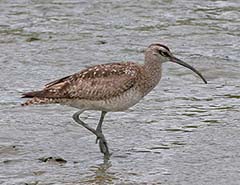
x=163 y=53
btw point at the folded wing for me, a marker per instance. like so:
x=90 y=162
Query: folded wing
x=95 y=83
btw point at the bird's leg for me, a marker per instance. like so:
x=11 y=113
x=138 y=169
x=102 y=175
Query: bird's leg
x=99 y=126
x=102 y=141
x=98 y=132
x=80 y=122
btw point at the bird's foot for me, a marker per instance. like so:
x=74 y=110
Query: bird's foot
x=103 y=145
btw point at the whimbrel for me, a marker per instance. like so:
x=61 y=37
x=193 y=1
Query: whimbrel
x=107 y=87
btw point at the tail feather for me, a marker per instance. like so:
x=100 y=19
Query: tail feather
x=41 y=97
x=37 y=97
x=36 y=100
x=33 y=94
x=33 y=100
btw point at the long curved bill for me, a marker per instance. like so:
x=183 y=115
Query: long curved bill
x=178 y=61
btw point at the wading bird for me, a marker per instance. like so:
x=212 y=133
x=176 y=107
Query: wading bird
x=107 y=87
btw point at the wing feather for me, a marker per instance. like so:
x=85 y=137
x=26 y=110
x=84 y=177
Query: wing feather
x=57 y=81
x=95 y=83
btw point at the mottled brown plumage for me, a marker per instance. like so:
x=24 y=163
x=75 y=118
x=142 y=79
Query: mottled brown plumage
x=99 y=82
x=107 y=87
x=105 y=82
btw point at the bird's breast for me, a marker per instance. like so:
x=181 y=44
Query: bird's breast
x=121 y=102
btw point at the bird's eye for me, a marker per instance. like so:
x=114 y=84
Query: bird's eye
x=163 y=53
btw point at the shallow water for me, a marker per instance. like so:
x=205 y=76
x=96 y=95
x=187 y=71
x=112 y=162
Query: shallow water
x=184 y=132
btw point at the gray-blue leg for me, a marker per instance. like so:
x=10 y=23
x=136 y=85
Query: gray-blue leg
x=102 y=141
x=98 y=132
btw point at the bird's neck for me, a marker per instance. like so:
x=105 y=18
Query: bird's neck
x=152 y=64
x=152 y=73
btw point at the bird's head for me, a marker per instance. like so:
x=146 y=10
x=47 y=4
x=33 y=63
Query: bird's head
x=162 y=54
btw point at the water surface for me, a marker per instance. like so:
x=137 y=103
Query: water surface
x=184 y=132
